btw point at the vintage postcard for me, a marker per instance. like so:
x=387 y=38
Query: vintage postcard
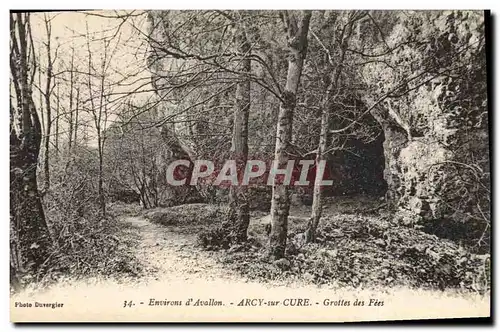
x=249 y=166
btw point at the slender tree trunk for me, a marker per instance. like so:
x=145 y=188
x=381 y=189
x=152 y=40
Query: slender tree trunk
x=239 y=209
x=332 y=87
x=76 y=115
x=97 y=115
x=71 y=77
x=100 y=189
x=30 y=237
x=48 y=90
x=297 y=30
x=144 y=175
x=41 y=95
x=317 y=206
x=57 y=121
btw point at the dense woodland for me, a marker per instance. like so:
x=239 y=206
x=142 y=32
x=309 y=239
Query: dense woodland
x=394 y=102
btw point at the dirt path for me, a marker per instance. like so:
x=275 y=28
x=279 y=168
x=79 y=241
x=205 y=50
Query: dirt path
x=179 y=271
x=170 y=255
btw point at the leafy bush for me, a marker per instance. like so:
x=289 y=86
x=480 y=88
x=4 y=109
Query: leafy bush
x=214 y=237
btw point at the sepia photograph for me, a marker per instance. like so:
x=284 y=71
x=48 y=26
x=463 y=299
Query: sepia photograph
x=250 y=165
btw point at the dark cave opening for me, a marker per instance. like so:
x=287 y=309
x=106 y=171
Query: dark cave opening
x=358 y=169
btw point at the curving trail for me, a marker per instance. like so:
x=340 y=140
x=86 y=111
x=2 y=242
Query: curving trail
x=178 y=271
x=171 y=255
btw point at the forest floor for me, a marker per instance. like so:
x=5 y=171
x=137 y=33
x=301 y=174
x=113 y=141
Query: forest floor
x=357 y=246
x=172 y=259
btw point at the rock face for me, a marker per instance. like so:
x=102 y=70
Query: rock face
x=419 y=194
x=437 y=161
x=435 y=124
x=175 y=149
x=395 y=140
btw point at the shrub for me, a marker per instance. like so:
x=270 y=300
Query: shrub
x=85 y=242
x=214 y=237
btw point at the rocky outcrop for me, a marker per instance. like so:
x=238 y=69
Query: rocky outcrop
x=439 y=169
x=175 y=149
x=421 y=176
x=395 y=140
x=435 y=123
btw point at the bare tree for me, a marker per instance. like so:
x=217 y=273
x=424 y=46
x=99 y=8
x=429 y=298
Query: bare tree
x=49 y=86
x=297 y=27
x=326 y=102
x=99 y=104
x=238 y=194
x=30 y=237
x=71 y=88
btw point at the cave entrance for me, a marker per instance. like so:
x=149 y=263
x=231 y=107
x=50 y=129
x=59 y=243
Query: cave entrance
x=359 y=168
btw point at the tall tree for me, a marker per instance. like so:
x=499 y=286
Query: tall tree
x=331 y=91
x=47 y=95
x=57 y=116
x=99 y=107
x=71 y=84
x=238 y=194
x=75 y=126
x=214 y=68
x=297 y=27
x=30 y=237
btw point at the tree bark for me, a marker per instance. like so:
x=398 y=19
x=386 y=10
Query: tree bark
x=99 y=115
x=30 y=238
x=238 y=202
x=317 y=205
x=71 y=77
x=297 y=30
x=41 y=95
x=100 y=189
x=56 y=125
x=48 y=91
x=332 y=87
x=75 y=141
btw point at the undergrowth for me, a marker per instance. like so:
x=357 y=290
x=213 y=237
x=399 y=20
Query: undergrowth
x=363 y=251
x=85 y=243
x=352 y=249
